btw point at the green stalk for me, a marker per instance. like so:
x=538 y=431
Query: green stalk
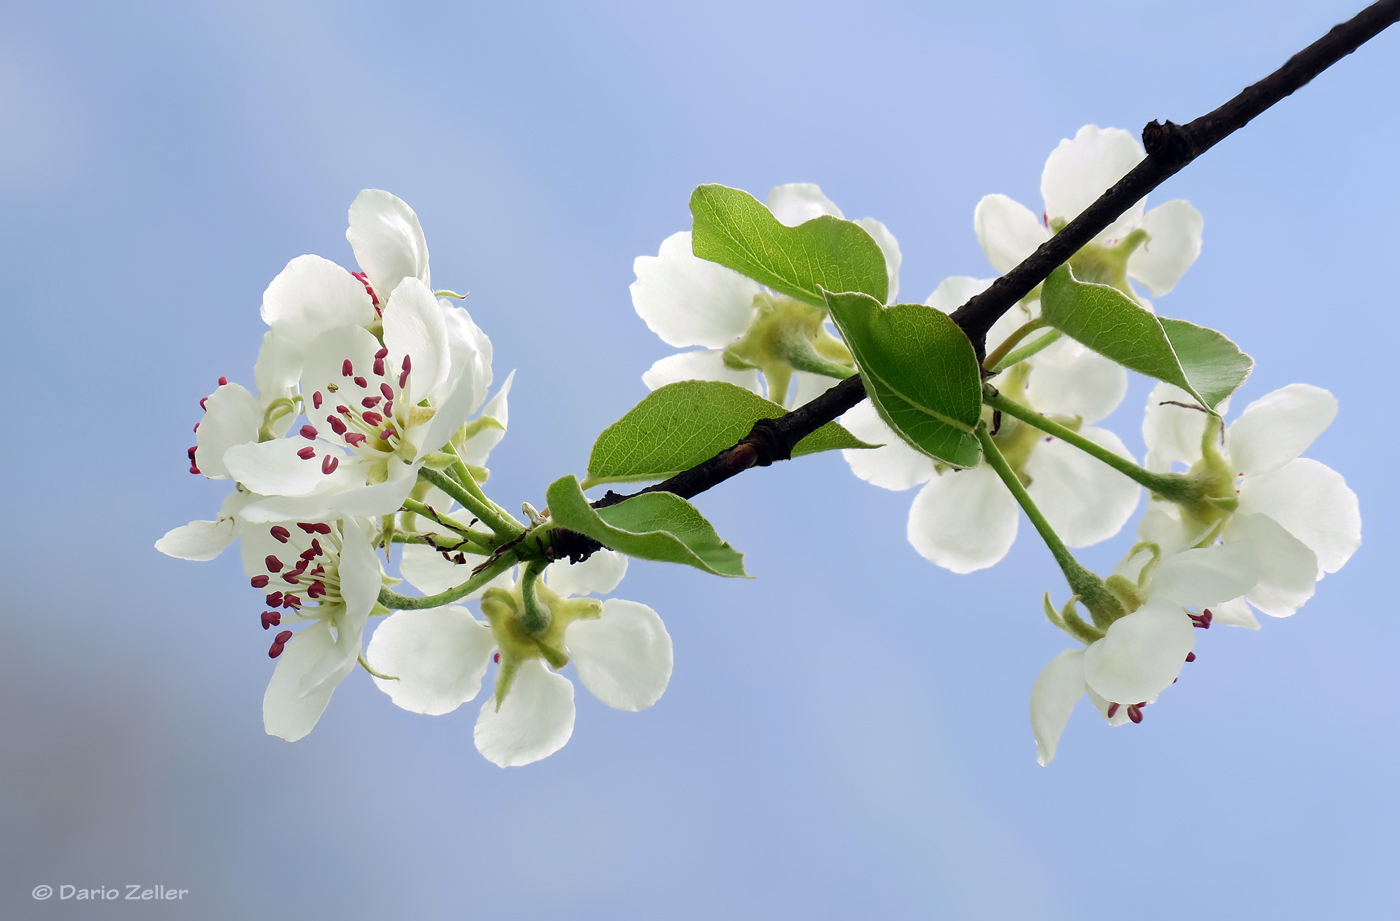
x=473 y=501
x=397 y=602
x=999 y=353
x=482 y=539
x=1021 y=354
x=1173 y=486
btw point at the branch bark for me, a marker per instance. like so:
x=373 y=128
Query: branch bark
x=1170 y=147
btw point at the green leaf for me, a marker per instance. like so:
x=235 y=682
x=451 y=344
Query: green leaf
x=920 y=371
x=653 y=526
x=682 y=424
x=736 y=230
x=1215 y=366
x=1200 y=361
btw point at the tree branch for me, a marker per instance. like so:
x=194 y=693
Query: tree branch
x=1170 y=147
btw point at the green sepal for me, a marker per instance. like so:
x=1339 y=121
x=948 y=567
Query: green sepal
x=920 y=371
x=738 y=231
x=657 y=526
x=683 y=424
x=1200 y=361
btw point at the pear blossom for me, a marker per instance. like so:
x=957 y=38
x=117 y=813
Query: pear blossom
x=965 y=520
x=689 y=301
x=1154 y=248
x=385 y=409
x=324 y=574
x=434 y=660
x=1140 y=654
x=1299 y=514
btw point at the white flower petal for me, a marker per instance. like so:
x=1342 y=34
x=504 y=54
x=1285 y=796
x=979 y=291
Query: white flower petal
x=277 y=371
x=690 y=301
x=1069 y=379
x=806 y=387
x=476 y=450
x=1172 y=431
x=1163 y=526
x=1021 y=313
x=534 y=721
x=964 y=520
x=198 y=540
x=1084 y=499
x=1234 y=613
x=597 y=575
x=624 y=656
x=1120 y=714
x=799 y=202
x=895 y=465
x=425 y=569
x=360 y=575
x=1288 y=570
x=1079 y=171
x=1314 y=503
x=956 y=290
x=288 y=711
x=438 y=657
x=893 y=257
x=1202 y=577
x=388 y=241
x=468 y=347
x=1141 y=654
x=1007 y=230
x=1175 y=242
x=1057 y=689
x=414 y=328
x=232 y=417
x=699 y=366
x=1278 y=427
x=312 y=295
x=273 y=468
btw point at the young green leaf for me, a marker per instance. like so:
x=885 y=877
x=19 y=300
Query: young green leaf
x=653 y=526
x=733 y=228
x=1200 y=361
x=920 y=371
x=685 y=423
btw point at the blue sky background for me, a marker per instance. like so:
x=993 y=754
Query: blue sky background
x=846 y=735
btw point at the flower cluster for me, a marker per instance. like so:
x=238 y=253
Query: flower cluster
x=367 y=382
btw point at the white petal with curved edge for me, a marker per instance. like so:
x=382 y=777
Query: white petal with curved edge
x=1288 y=570
x=325 y=366
x=1313 y=502
x=339 y=498
x=438 y=657
x=1069 y=379
x=1203 y=577
x=231 y=417
x=534 y=721
x=388 y=241
x=964 y=520
x=623 y=657
x=690 y=301
x=1057 y=689
x=699 y=366
x=1120 y=715
x=956 y=290
x=1020 y=314
x=597 y=575
x=806 y=386
x=893 y=257
x=288 y=712
x=360 y=575
x=1172 y=432
x=1174 y=231
x=198 y=540
x=1079 y=171
x=453 y=407
x=1163 y=526
x=1234 y=613
x=274 y=468
x=469 y=349
x=1084 y=499
x=1007 y=230
x=425 y=569
x=1278 y=427
x=799 y=202
x=414 y=328
x=312 y=295
x=895 y=465
x=476 y=450
x=277 y=371
x=1141 y=654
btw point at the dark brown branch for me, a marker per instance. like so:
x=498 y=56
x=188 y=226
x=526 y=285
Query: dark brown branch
x=1169 y=146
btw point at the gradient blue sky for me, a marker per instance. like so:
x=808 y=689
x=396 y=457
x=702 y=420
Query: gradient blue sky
x=846 y=735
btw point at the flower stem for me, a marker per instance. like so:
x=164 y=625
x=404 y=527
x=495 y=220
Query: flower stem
x=1082 y=582
x=473 y=500
x=482 y=539
x=996 y=357
x=1173 y=486
x=486 y=573
x=535 y=620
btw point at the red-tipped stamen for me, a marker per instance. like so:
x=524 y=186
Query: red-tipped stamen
x=260 y=581
x=316 y=400
x=347 y=369
x=329 y=463
x=361 y=382
x=355 y=439
x=306 y=453
x=281 y=533
x=308 y=431
x=1135 y=713
x=1112 y=710
x=272 y=563
x=271 y=619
